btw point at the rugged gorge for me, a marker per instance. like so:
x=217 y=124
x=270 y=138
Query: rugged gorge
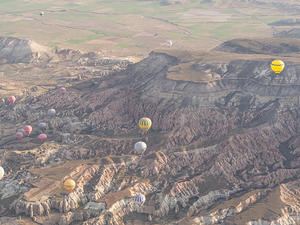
x=223 y=147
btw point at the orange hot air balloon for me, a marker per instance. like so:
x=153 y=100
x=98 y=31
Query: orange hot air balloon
x=42 y=137
x=27 y=129
x=12 y=99
x=19 y=135
x=69 y=185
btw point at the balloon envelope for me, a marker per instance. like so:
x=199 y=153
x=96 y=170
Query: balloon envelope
x=140 y=146
x=170 y=43
x=62 y=90
x=42 y=137
x=27 y=129
x=12 y=99
x=42 y=125
x=139 y=198
x=69 y=185
x=1 y=172
x=19 y=135
x=51 y=112
x=145 y=124
x=21 y=130
x=277 y=66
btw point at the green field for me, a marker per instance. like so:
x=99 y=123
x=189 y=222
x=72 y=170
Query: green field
x=89 y=25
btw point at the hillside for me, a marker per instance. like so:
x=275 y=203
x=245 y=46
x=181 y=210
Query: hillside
x=223 y=147
x=261 y=46
x=14 y=50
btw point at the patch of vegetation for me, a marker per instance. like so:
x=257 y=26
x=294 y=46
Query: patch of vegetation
x=270 y=19
x=224 y=31
x=86 y=38
x=10 y=25
x=17 y=6
x=53 y=44
x=8 y=33
x=176 y=35
x=66 y=16
x=198 y=29
x=124 y=45
x=249 y=29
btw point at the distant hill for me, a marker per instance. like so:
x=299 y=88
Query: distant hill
x=286 y=22
x=292 y=33
x=260 y=46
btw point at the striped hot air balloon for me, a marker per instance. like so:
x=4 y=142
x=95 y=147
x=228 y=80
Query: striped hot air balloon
x=277 y=66
x=145 y=124
x=69 y=185
x=139 y=198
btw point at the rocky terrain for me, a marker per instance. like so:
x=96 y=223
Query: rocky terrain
x=286 y=22
x=223 y=147
x=292 y=33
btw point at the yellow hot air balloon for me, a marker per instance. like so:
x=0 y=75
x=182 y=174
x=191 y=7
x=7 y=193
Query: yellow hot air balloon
x=145 y=124
x=69 y=185
x=1 y=172
x=277 y=66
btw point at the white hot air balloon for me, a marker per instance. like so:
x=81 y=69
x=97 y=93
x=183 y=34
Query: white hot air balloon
x=140 y=147
x=1 y=172
x=170 y=43
x=51 y=112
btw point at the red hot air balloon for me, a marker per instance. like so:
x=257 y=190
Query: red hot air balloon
x=62 y=90
x=27 y=129
x=42 y=137
x=19 y=135
x=12 y=99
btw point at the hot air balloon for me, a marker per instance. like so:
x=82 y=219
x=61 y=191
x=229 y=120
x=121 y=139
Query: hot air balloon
x=170 y=43
x=42 y=137
x=62 y=90
x=145 y=124
x=12 y=99
x=42 y=126
x=27 y=129
x=19 y=135
x=51 y=112
x=41 y=13
x=140 y=147
x=277 y=66
x=21 y=130
x=139 y=198
x=1 y=172
x=69 y=185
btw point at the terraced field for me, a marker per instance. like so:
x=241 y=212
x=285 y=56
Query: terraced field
x=135 y=27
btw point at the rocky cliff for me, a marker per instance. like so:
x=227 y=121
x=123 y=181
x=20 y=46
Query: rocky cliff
x=231 y=129
x=13 y=50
